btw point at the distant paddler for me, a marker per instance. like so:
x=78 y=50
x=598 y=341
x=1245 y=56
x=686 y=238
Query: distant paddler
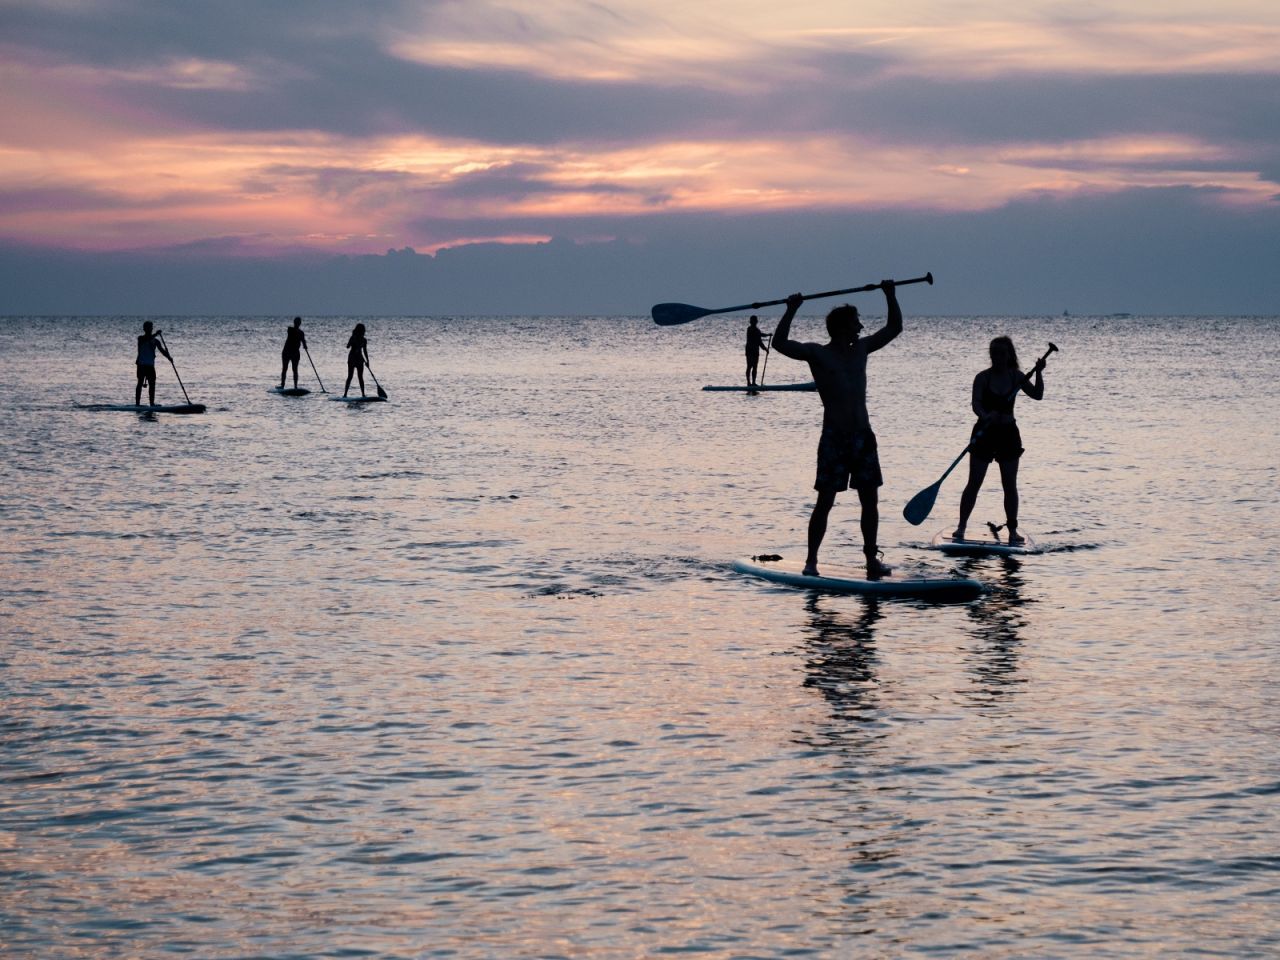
x=995 y=435
x=148 y=343
x=756 y=339
x=847 y=452
x=295 y=341
x=357 y=357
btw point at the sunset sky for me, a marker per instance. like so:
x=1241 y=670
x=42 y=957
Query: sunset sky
x=621 y=148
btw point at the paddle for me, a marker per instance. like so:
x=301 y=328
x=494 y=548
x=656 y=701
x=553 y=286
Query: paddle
x=175 y=367
x=314 y=370
x=382 y=393
x=918 y=507
x=768 y=349
x=670 y=314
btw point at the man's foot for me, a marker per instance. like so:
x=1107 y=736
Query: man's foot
x=810 y=570
x=957 y=533
x=1016 y=539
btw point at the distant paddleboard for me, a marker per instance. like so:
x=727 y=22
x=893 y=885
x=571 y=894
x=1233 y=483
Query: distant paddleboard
x=143 y=408
x=741 y=388
x=979 y=548
x=373 y=398
x=835 y=579
x=289 y=391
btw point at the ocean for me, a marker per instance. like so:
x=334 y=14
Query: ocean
x=468 y=674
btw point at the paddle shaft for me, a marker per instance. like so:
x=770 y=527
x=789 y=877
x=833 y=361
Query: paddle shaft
x=382 y=393
x=313 y=368
x=671 y=314
x=768 y=349
x=169 y=354
x=866 y=287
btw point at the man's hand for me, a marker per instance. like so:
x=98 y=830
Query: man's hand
x=794 y=301
x=888 y=286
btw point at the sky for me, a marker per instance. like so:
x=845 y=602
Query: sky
x=561 y=156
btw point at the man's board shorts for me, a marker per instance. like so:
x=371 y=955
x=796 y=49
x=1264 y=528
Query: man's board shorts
x=146 y=371
x=1000 y=442
x=847 y=459
x=294 y=355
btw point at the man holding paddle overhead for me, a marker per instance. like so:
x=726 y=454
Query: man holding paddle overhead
x=847 y=455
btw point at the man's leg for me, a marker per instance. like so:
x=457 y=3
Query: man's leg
x=818 y=529
x=284 y=368
x=1009 y=480
x=151 y=389
x=869 y=498
x=137 y=391
x=294 y=361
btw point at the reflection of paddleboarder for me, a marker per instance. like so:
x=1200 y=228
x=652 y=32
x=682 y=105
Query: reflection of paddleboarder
x=756 y=338
x=995 y=435
x=148 y=343
x=294 y=343
x=357 y=357
x=847 y=455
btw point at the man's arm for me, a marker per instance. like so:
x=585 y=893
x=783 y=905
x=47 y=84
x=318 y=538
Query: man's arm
x=886 y=334
x=782 y=341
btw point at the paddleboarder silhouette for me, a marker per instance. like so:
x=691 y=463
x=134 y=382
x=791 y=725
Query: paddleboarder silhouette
x=995 y=436
x=847 y=454
x=755 y=340
x=357 y=356
x=148 y=343
x=294 y=341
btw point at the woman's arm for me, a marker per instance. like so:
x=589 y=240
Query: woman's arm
x=1034 y=388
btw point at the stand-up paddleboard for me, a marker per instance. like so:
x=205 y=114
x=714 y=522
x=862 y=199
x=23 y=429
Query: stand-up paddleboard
x=764 y=388
x=144 y=408
x=979 y=548
x=374 y=398
x=846 y=580
x=288 y=391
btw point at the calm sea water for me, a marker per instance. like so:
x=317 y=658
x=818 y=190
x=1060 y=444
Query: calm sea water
x=467 y=675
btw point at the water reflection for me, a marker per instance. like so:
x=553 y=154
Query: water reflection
x=999 y=621
x=841 y=661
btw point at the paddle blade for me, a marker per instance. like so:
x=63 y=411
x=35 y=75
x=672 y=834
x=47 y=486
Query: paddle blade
x=670 y=314
x=918 y=507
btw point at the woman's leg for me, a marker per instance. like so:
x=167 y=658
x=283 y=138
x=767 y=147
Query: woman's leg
x=351 y=369
x=1009 y=479
x=977 y=473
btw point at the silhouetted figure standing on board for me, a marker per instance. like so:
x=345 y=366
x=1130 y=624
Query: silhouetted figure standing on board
x=995 y=436
x=294 y=341
x=847 y=453
x=148 y=344
x=357 y=356
x=755 y=340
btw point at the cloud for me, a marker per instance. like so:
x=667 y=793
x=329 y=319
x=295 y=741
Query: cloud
x=1143 y=251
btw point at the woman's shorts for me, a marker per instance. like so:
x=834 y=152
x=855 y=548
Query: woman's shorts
x=1000 y=442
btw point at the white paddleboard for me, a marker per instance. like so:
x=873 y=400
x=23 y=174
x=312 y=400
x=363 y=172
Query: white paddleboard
x=288 y=391
x=742 y=388
x=372 y=398
x=979 y=548
x=835 y=579
x=143 y=408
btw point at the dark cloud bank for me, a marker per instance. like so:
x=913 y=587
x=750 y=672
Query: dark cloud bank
x=1146 y=251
